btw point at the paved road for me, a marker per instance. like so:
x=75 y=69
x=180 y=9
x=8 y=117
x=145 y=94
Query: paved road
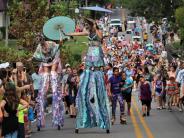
x=161 y=123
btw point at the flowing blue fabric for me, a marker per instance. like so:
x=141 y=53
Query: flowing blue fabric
x=92 y=100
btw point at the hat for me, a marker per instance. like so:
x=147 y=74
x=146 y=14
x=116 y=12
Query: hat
x=4 y=65
x=19 y=64
x=67 y=65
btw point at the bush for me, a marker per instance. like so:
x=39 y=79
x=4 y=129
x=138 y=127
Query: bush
x=12 y=55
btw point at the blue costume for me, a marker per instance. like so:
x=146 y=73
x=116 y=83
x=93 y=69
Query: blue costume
x=92 y=100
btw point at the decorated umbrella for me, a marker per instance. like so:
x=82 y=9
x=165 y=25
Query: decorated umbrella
x=54 y=27
x=96 y=8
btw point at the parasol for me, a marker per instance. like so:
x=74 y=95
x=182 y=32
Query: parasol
x=54 y=27
x=96 y=8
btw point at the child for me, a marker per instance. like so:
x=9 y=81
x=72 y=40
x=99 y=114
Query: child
x=145 y=96
x=126 y=88
x=172 y=90
x=114 y=83
x=21 y=112
x=159 y=91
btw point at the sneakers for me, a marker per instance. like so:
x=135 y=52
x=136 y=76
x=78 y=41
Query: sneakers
x=159 y=108
x=143 y=115
x=148 y=113
x=113 y=120
x=122 y=119
x=181 y=110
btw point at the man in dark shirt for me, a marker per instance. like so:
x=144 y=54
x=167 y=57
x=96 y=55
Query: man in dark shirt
x=114 y=82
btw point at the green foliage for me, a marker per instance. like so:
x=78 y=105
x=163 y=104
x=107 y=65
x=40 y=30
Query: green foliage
x=8 y=54
x=152 y=9
x=73 y=50
x=58 y=9
x=27 y=19
x=179 y=15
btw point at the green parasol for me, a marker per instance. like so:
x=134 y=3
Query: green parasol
x=54 y=27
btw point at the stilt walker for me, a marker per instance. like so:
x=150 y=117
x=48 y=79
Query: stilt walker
x=92 y=101
x=48 y=54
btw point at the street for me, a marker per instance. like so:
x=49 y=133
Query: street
x=160 y=124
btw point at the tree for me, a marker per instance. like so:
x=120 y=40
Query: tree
x=152 y=9
x=179 y=15
x=28 y=18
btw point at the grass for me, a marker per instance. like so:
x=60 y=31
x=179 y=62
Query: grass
x=11 y=43
x=79 y=46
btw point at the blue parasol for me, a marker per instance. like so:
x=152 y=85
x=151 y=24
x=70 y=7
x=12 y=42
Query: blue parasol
x=53 y=28
x=96 y=8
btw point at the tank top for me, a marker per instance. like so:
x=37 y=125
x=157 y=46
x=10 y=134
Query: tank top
x=10 y=123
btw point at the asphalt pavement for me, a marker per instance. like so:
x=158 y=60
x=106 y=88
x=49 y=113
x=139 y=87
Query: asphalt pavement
x=160 y=124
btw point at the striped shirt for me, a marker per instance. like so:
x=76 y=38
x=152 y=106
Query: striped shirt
x=172 y=87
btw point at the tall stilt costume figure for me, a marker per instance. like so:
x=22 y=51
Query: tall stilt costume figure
x=92 y=101
x=48 y=54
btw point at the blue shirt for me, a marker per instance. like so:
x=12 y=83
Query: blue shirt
x=129 y=73
x=36 y=81
x=128 y=83
x=115 y=84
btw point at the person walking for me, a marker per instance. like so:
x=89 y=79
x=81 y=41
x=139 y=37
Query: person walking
x=92 y=100
x=145 y=96
x=115 y=83
x=48 y=54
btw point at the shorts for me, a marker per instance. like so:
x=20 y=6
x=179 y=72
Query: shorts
x=72 y=100
x=146 y=102
x=67 y=100
x=127 y=97
x=35 y=94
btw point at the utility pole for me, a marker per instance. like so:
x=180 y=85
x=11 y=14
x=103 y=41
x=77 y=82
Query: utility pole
x=86 y=3
x=6 y=25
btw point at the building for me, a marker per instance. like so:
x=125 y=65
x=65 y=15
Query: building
x=3 y=5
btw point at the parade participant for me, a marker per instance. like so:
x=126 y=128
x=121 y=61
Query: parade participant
x=158 y=86
x=72 y=86
x=36 y=78
x=126 y=88
x=145 y=96
x=48 y=54
x=171 y=91
x=64 y=90
x=180 y=81
x=92 y=101
x=115 y=83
